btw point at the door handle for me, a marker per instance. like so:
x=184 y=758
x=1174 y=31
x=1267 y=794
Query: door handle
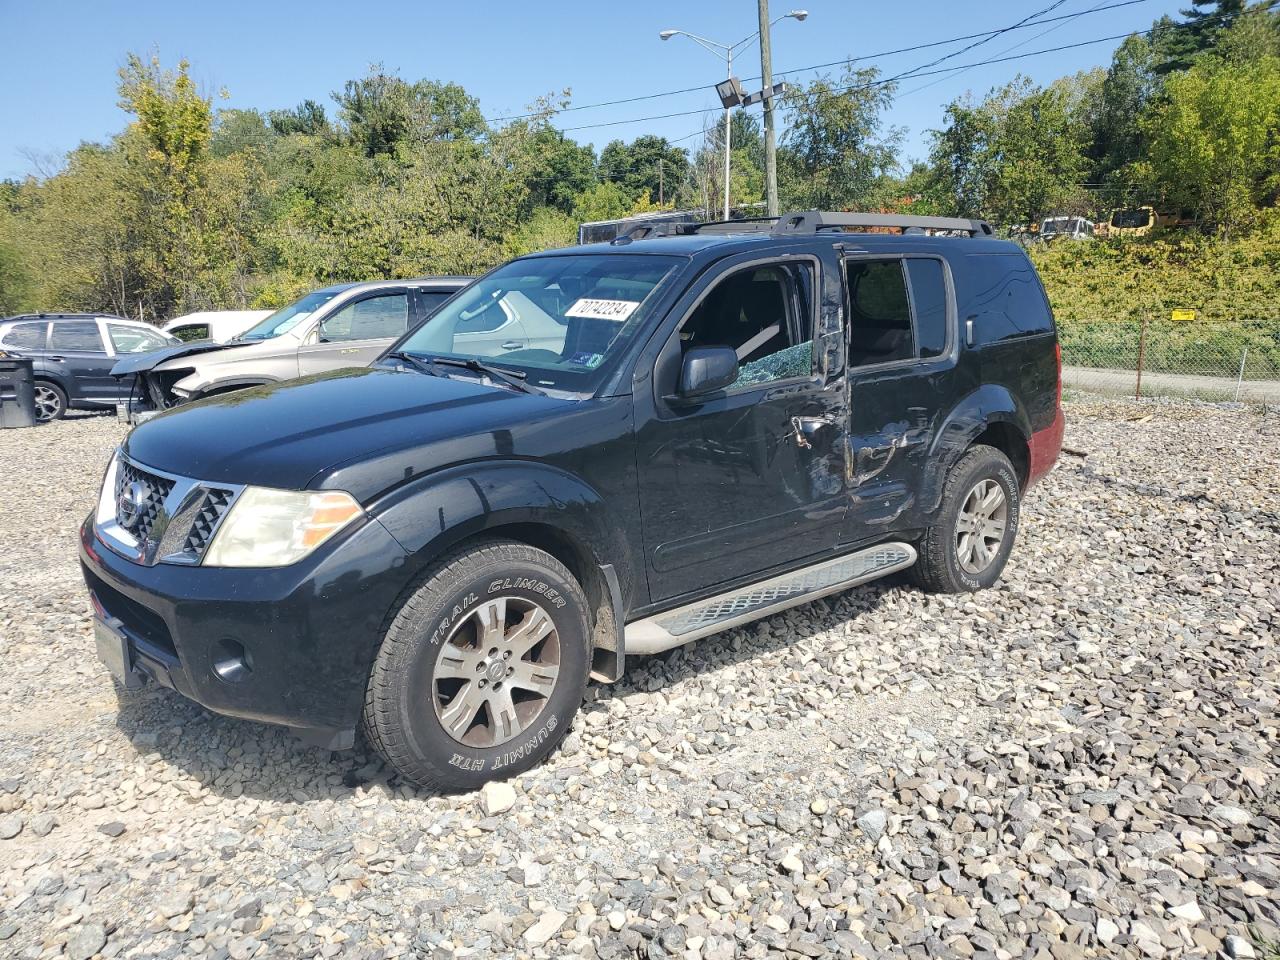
x=512 y=345
x=57 y=359
x=804 y=429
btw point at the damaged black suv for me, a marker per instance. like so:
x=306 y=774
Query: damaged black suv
x=590 y=453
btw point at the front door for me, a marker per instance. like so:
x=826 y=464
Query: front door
x=901 y=330
x=355 y=333
x=750 y=478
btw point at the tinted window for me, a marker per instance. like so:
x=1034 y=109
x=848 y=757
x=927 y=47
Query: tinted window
x=135 y=339
x=371 y=319
x=929 y=297
x=77 y=335
x=764 y=314
x=1009 y=301
x=26 y=336
x=879 y=312
x=430 y=299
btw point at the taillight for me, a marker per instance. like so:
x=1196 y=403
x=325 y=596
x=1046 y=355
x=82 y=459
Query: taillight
x=1057 y=355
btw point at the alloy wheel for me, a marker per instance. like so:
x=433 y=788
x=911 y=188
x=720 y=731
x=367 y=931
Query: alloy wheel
x=981 y=526
x=496 y=672
x=48 y=403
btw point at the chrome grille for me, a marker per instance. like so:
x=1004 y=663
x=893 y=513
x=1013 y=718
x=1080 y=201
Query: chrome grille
x=152 y=517
x=215 y=504
x=154 y=489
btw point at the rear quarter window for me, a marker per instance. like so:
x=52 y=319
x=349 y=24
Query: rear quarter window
x=1007 y=299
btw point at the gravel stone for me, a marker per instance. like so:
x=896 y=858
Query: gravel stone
x=1079 y=762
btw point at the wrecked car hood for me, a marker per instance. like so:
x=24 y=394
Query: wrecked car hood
x=140 y=362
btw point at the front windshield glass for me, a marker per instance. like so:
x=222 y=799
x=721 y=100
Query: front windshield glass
x=560 y=320
x=286 y=318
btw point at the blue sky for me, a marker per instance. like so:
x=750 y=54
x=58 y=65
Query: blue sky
x=59 y=65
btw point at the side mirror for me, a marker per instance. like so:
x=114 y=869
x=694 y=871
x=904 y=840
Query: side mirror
x=706 y=370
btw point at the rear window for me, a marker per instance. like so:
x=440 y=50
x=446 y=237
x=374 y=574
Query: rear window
x=26 y=336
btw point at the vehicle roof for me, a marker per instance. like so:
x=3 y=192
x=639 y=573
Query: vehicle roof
x=445 y=280
x=727 y=244
x=29 y=317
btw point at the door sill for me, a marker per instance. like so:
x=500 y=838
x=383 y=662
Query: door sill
x=701 y=618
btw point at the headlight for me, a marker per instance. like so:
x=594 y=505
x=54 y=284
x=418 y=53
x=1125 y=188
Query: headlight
x=273 y=528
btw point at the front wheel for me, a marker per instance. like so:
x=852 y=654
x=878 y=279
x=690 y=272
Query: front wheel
x=482 y=668
x=968 y=545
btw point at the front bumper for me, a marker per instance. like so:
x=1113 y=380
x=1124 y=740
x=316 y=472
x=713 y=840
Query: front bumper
x=292 y=645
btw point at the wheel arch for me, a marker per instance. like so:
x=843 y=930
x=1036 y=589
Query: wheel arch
x=990 y=415
x=527 y=502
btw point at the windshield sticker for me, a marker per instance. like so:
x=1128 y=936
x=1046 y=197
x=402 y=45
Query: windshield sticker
x=588 y=360
x=595 y=309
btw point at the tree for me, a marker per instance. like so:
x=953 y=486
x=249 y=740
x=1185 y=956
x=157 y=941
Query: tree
x=647 y=163
x=377 y=110
x=836 y=149
x=306 y=118
x=1017 y=155
x=1215 y=140
x=1131 y=85
x=1178 y=48
x=240 y=131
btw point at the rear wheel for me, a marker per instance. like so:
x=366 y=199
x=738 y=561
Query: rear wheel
x=977 y=522
x=51 y=401
x=482 y=668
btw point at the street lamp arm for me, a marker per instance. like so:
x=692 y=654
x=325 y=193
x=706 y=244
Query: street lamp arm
x=719 y=49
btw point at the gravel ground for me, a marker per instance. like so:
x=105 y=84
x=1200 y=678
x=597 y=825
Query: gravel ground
x=1082 y=762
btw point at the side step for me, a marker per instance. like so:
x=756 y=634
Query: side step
x=673 y=628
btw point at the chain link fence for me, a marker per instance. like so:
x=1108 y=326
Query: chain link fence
x=1153 y=354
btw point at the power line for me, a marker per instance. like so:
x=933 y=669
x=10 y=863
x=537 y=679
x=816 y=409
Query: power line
x=1022 y=43
x=702 y=88
x=874 y=83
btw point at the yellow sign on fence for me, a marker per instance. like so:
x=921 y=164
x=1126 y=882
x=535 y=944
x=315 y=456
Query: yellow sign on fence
x=1182 y=313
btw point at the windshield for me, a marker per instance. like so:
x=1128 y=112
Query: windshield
x=560 y=320
x=1131 y=219
x=286 y=318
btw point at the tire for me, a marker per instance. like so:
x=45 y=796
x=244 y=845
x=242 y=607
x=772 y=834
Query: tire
x=51 y=401
x=433 y=673
x=948 y=562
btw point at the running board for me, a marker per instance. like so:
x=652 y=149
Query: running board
x=673 y=628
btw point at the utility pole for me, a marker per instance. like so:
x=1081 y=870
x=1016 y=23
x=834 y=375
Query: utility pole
x=661 y=199
x=770 y=147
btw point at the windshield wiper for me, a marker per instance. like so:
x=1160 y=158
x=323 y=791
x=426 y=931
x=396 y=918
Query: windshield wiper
x=421 y=364
x=512 y=378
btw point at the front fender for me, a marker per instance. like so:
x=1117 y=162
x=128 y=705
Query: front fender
x=988 y=404
x=434 y=512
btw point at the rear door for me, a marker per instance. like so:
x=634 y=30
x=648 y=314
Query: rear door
x=355 y=333
x=77 y=353
x=902 y=344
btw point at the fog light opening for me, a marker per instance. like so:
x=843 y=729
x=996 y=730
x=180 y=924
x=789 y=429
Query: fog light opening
x=232 y=662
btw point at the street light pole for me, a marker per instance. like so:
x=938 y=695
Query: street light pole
x=725 y=52
x=728 y=127
x=770 y=147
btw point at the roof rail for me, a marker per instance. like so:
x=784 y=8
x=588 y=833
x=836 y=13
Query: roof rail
x=812 y=221
x=644 y=231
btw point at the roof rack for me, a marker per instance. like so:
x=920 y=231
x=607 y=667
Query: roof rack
x=813 y=221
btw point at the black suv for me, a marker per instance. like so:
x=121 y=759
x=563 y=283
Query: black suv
x=72 y=355
x=717 y=425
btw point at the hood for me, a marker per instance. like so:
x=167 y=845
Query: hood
x=290 y=434
x=138 y=362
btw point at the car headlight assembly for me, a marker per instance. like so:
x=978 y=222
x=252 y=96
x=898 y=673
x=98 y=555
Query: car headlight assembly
x=274 y=528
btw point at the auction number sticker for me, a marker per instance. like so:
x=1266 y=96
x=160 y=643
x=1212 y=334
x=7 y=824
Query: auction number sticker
x=617 y=310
